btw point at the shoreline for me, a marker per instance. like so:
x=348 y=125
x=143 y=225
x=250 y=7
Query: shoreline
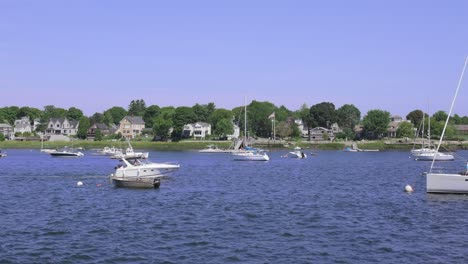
x=197 y=145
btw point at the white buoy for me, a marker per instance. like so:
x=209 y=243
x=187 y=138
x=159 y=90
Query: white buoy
x=79 y=184
x=408 y=188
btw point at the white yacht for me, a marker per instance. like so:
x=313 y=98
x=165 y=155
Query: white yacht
x=130 y=154
x=66 y=153
x=141 y=173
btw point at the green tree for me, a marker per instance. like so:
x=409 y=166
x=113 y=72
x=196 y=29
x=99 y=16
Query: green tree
x=348 y=116
x=51 y=111
x=2 y=137
x=74 y=113
x=440 y=116
x=376 y=123
x=83 y=127
x=108 y=119
x=307 y=120
x=201 y=112
x=224 y=127
x=415 y=117
x=151 y=113
x=32 y=112
x=183 y=115
x=168 y=113
x=137 y=107
x=98 y=136
x=9 y=114
x=161 y=127
x=257 y=118
x=347 y=134
x=218 y=115
x=323 y=114
x=405 y=129
x=117 y=113
x=96 y=118
x=283 y=129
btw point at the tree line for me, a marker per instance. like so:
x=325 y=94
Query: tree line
x=161 y=119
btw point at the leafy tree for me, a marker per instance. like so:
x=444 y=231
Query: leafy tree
x=2 y=137
x=347 y=134
x=201 y=112
x=348 y=116
x=405 y=130
x=258 y=122
x=74 y=113
x=282 y=113
x=98 y=136
x=307 y=120
x=376 y=123
x=464 y=120
x=456 y=119
x=137 y=107
x=440 y=116
x=296 y=133
x=96 y=118
x=323 y=114
x=117 y=113
x=83 y=127
x=161 y=127
x=9 y=114
x=151 y=113
x=32 y=112
x=168 y=112
x=183 y=115
x=51 y=111
x=438 y=126
x=415 y=117
x=108 y=119
x=224 y=127
x=218 y=115
x=211 y=107
x=283 y=129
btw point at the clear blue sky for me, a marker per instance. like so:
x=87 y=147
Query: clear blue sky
x=392 y=55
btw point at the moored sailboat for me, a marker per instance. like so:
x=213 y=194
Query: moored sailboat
x=448 y=182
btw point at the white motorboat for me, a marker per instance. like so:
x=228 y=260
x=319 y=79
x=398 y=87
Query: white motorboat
x=66 y=152
x=141 y=173
x=251 y=156
x=2 y=154
x=110 y=151
x=297 y=154
x=444 y=182
x=130 y=154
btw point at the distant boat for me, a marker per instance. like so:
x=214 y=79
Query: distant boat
x=297 y=153
x=448 y=182
x=248 y=153
x=66 y=152
x=42 y=146
x=2 y=154
x=109 y=151
x=428 y=153
x=130 y=154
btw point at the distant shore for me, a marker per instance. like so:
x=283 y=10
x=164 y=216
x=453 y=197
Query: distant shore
x=197 y=145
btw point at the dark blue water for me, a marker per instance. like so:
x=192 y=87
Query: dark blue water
x=335 y=207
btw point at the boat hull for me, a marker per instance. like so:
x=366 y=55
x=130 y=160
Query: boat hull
x=250 y=157
x=57 y=154
x=446 y=183
x=436 y=157
x=136 y=182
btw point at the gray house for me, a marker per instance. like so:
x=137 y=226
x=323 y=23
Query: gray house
x=62 y=126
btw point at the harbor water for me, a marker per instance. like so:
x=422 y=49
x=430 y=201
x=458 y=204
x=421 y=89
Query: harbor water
x=334 y=207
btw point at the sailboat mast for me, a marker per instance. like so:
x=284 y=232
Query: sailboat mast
x=245 y=121
x=451 y=109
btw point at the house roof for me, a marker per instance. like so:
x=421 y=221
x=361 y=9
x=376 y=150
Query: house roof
x=461 y=127
x=134 y=119
x=5 y=125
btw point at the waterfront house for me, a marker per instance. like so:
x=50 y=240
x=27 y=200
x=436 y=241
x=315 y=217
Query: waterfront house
x=395 y=122
x=462 y=129
x=105 y=130
x=198 y=130
x=62 y=126
x=131 y=126
x=6 y=130
x=24 y=125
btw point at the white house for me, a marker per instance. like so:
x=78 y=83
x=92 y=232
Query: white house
x=62 y=126
x=198 y=130
x=6 y=130
x=24 y=125
x=236 y=133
